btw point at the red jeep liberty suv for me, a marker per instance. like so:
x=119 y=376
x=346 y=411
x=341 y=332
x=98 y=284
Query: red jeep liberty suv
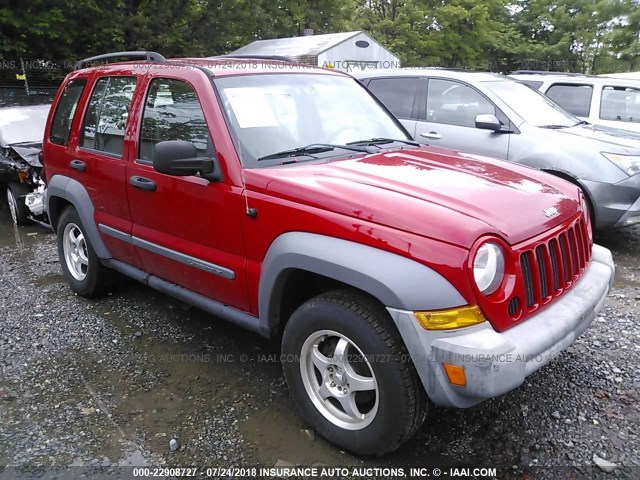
x=288 y=200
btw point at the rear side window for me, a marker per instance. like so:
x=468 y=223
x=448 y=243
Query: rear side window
x=621 y=104
x=397 y=94
x=63 y=116
x=173 y=112
x=107 y=114
x=535 y=84
x=573 y=98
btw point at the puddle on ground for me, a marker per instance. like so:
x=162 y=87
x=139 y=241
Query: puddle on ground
x=48 y=280
x=23 y=236
x=279 y=434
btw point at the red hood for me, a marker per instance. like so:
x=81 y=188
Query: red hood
x=433 y=192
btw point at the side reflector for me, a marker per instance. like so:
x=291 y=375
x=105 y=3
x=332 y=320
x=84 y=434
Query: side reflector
x=447 y=319
x=455 y=375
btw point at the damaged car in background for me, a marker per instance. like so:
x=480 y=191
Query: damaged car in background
x=21 y=130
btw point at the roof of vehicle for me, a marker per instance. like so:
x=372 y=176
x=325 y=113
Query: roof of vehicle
x=575 y=78
x=625 y=75
x=22 y=124
x=224 y=65
x=431 y=72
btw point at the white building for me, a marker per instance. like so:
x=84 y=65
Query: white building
x=346 y=51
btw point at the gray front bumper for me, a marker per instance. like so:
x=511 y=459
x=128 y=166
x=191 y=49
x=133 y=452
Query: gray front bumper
x=615 y=204
x=496 y=363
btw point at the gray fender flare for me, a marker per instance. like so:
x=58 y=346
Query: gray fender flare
x=396 y=281
x=73 y=192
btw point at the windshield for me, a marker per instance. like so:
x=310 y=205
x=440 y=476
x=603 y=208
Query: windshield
x=531 y=105
x=276 y=113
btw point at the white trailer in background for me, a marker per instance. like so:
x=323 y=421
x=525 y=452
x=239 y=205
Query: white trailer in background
x=347 y=51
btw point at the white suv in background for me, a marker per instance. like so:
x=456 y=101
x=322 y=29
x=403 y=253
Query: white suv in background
x=602 y=100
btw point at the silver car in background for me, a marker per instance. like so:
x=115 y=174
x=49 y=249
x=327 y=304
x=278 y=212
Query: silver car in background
x=492 y=115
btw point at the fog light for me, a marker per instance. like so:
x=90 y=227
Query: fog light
x=447 y=319
x=455 y=375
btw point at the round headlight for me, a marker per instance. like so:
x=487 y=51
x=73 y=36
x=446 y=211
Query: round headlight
x=488 y=267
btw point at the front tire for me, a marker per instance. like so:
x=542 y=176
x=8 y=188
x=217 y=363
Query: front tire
x=350 y=375
x=80 y=265
x=17 y=207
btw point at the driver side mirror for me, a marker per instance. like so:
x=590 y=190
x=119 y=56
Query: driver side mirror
x=488 y=122
x=180 y=158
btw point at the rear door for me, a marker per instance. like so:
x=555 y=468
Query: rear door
x=187 y=230
x=99 y=157
x=449 y=120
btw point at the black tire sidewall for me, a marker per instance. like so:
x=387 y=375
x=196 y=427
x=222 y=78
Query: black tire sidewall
x=388 y=424
x=22 y=211
x=90 y=285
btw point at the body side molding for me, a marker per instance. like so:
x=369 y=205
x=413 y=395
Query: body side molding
x=169 y=253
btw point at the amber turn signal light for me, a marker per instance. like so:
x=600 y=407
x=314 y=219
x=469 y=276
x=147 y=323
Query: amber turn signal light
x=455 y=375
x=447 y=319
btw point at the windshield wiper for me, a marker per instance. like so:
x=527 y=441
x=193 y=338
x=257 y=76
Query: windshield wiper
x=555 y=127
x=309 y=150
x=581 y=122
x=382 y=141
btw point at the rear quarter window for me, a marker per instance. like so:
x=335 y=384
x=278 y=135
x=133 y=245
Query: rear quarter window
x=535 y=84
x=574 y=98
x=397 y=94
x=65 y=111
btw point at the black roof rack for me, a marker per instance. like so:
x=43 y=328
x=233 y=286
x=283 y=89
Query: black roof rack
x=139 y=55
x=545 y=72
x=258 y=57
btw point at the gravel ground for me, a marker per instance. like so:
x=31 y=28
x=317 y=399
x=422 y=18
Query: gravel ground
x=111 y=382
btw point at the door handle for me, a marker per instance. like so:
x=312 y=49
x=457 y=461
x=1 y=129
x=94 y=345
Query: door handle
x=142 y=183
x=431 y=135
x=78 y=165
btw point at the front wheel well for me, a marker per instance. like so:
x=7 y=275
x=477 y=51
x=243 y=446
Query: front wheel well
x=296 y=287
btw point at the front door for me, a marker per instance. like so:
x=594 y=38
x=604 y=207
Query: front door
x=451 y=110
x=187 y=229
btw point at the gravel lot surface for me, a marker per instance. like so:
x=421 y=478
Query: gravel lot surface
x=137 y=378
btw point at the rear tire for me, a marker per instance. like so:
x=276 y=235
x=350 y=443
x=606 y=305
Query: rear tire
x=350 y=375
x=81 y=267
x=17 y=207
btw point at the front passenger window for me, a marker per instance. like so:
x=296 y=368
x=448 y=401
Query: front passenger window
x=455 y=103
x=173 y=112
